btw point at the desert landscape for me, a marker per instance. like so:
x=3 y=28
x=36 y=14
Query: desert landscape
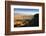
x=26 y=20
x=26 y=17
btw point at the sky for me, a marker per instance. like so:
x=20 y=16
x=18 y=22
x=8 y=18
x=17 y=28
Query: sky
x=25 y=11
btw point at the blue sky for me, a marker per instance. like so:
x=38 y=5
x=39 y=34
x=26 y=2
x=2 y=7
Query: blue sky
x=26 y=11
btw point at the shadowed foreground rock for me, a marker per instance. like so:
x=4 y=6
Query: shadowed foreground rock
x=35 y=20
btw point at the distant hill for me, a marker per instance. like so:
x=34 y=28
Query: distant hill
x=23 y=16
x=22 y=13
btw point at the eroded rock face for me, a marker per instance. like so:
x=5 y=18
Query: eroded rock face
x=19 y=23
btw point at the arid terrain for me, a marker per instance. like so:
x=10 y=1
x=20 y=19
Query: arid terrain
x=26 y=20
x=20 y=20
